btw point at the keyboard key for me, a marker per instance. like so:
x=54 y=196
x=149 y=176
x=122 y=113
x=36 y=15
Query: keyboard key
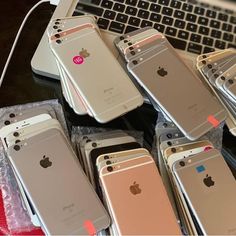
x=97 y=11
x=183 y=34
x=171 y=31
x=229 y=11
x=107 y=4
x=195 y=38
x=207 y=50
x=207 y=41
x=203 y=21
x=233 y=20
x=134 y=21
x=179 y=14
x=191 y=27
x=230 y=45
x=199 y=11
x=146 y=23
x=121 y=1
x=215 y=24
x=109 y=14
x=116 y=27
x=144 y=5
x=227 y=27
x=143 y=14
x=175 y=4
x=192 y=18
x=122 y=18
x=167 y=11
x=153 y=1
x=179 y=24
x=103 y=23
x=235 y=29
x=223 y=17
x=95 y=2
x=155 y=17
x=164 y=2
x=167 y=20
x=216 y=34
x=177 y=43
x=156 y=8
x=187 y=7
x=220 y=44
x=131 y=11
x=131 y=2
x=119 y=7
x=194 y=48
x=203 y=30
x=211 y=14
x=130 y=29
x=228 y=37
x=193 y=2
x=159 y=27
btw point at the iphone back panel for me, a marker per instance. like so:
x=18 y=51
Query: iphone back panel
x=117 y=94
x=138 y=200
x=210 y=189
x=56 y=185
x=173 y=83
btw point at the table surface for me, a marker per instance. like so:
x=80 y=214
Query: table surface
x=21 y=86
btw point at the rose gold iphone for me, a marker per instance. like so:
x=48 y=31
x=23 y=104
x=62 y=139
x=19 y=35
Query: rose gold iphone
x=137 y=198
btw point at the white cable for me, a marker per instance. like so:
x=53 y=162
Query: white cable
x=17 y=37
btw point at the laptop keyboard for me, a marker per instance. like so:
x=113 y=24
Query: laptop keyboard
x=188 y=24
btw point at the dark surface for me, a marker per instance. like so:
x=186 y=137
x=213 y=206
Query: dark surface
x=20 y=85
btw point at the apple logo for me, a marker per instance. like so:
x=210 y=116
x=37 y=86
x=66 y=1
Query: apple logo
x=208 y=181
x=84 y=53
x=162 y=72
x=134 y=189
x=45 y=162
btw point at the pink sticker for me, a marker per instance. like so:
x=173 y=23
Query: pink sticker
x=78 y=60
x=207 y=148
x=89 y=227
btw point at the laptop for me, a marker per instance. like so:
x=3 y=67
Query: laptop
x=192 y=26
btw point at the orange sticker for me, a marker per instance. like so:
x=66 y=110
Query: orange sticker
x=88 y=225
x=211 y=119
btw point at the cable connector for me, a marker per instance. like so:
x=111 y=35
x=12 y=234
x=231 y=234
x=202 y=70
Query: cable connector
x=54 y=2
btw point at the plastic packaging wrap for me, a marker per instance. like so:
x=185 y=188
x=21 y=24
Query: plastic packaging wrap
x=17 y=218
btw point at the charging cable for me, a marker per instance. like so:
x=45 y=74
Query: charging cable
x=17 y=37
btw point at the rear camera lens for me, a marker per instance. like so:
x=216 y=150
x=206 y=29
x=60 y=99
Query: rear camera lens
x=169 y=143
x=135 y=62
x=17 y=147
x=204 y=62
x=231 y=81
x=109 y=168
x=88 y=140
x=16 y=134
x=209 y=66
x=164 y=125
x=182 y=163
x=12 y=115
x=108 y=162
x=132 y=53
x=169 y=136
x=173 y=150
x=55 y=27
x=58 y=41
x=57 y=35
x=17 y=141
x=106 y=157
x=121 y=38
x=94 y=145
x=7 y=122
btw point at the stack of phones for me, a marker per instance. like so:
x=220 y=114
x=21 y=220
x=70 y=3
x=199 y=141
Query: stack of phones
x=219 y=70
x=93 y=82
x=190 y=168
x=169 y=83
x=54 y=189
x=121 y=172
